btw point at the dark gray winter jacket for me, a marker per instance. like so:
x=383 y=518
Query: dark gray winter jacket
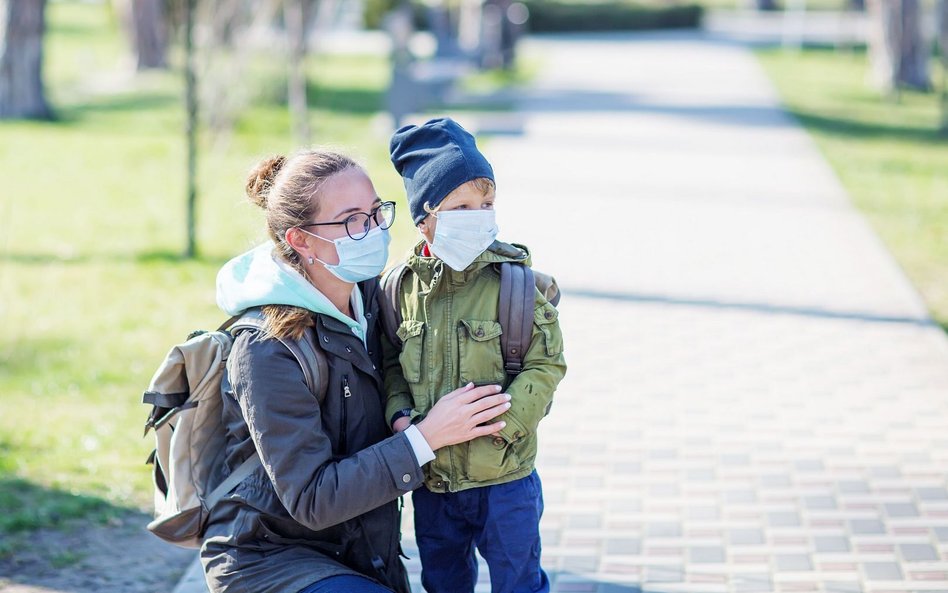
x=325 y=501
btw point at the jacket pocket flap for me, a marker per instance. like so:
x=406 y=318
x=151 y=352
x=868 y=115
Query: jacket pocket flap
x=481 y=331
x=409 y=329
x=545 y=315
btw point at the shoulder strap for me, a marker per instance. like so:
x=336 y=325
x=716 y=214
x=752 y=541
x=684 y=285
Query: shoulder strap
x=388 y=302
x=230 y=482
x=515 y=308
x=313 y=361
x=310 y=356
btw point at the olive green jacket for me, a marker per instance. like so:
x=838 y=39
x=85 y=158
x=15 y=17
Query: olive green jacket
x=451 y=337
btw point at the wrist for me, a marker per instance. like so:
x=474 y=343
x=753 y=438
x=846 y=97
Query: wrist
x=423 y=428
x=404 y=412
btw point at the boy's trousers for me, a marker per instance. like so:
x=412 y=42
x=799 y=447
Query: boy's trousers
x=501 y=521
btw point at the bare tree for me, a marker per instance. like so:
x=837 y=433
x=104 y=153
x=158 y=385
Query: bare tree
x=150 y=33
x=294 y=15
x=147 y=24
x=22 y=26
x=191 y=107
x=943 y=50
x=897 y=46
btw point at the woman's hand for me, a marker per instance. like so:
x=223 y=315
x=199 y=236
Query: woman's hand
x=458 y=416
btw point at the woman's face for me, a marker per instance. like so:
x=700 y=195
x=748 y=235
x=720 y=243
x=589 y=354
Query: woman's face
x=340 y=196
x=465 y=197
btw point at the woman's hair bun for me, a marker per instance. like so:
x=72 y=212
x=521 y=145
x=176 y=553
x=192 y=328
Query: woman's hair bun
x=261 y=179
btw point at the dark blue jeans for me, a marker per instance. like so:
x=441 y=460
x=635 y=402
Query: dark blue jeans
x=346 y=583
x=502 y=522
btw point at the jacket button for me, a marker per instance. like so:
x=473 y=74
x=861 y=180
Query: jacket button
x=518 y=434
x=406 y=478
x=326 y=339
x=368 y=316
x=479 y=333
x=498 y=441
x=439 y=484
x=548 y=315
x=348 y=349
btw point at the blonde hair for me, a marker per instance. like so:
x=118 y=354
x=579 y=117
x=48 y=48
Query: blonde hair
x=288 y=190
x=481 y=184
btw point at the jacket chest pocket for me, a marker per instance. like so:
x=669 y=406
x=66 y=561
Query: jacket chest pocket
x=412 y=334
x=479 y=353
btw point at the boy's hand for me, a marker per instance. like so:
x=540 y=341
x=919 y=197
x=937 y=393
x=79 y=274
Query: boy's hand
x=401 y=424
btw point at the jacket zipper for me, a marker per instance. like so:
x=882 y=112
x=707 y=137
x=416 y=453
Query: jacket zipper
x=346 y=394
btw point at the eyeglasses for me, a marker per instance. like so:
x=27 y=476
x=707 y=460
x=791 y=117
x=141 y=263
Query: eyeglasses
x=358 y=225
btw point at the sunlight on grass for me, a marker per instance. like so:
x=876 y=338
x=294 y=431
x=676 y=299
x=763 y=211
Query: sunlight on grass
x=92 y=290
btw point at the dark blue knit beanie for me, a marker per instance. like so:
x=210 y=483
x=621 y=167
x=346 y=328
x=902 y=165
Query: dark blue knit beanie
x=434 y=160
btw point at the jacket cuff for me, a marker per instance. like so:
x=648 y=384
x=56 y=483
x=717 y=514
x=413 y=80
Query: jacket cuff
x=419 y=445
x=514 y=431
x=402 y=464
x=397 y=402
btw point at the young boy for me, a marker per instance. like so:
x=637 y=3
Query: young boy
x=484 y=493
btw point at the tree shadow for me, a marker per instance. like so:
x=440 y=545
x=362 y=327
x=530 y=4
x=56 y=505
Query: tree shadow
x=57 y=540
x=346 y=100
x=108 y=104
x=144 y=257
x=756 y=307
x=841 y=126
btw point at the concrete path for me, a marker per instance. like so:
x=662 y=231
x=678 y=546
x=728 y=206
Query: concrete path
x=756 y=398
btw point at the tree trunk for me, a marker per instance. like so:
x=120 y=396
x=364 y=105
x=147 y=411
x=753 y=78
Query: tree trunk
x=150 y=33
x=295 y=16
x=21 y=60
x=897 y=47
x=943 y=52
x=191 y=106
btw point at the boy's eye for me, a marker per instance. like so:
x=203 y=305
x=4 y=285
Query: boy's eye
x=487 y=206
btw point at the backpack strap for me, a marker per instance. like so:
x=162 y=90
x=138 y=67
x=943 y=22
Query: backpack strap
x=230 y=482
x=388 y=302
x=311 y=357
x=515 y=308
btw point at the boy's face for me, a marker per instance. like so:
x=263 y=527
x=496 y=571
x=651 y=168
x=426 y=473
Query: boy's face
x=465 y=197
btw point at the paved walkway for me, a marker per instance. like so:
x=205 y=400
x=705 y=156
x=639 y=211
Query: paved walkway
x=756 y=399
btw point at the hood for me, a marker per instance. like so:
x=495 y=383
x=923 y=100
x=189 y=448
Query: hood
x=258 y=277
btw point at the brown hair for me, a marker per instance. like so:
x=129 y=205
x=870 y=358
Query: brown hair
x=288 y=189
x=481 y=184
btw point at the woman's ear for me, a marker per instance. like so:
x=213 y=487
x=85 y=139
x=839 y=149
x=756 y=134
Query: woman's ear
x=298 y=240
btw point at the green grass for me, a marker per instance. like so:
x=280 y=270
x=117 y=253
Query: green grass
x=92 y=289
x=888 y=155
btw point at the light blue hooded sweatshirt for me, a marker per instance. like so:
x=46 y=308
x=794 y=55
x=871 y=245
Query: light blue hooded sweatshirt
x=258 y=277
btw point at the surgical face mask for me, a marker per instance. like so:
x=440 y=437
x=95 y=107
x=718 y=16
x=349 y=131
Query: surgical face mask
x=462 y=235
x=358 y=260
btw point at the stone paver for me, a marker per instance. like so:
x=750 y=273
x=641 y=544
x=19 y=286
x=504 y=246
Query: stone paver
x=756 y=399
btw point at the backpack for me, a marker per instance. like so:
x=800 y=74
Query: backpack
x=186 y=399
x=515 y=305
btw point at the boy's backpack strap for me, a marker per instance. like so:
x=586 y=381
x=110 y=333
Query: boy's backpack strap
x=515 y=308
x=310 y=356
x=388 y=302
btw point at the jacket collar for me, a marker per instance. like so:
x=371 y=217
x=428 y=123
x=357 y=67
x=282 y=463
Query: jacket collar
x=428 y=269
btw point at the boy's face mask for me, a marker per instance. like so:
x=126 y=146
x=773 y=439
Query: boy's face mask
x=461 y=235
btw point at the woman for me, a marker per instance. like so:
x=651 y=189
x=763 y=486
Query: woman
x=321 y=514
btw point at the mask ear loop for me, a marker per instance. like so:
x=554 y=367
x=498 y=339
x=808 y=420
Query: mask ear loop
x=310 y=259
